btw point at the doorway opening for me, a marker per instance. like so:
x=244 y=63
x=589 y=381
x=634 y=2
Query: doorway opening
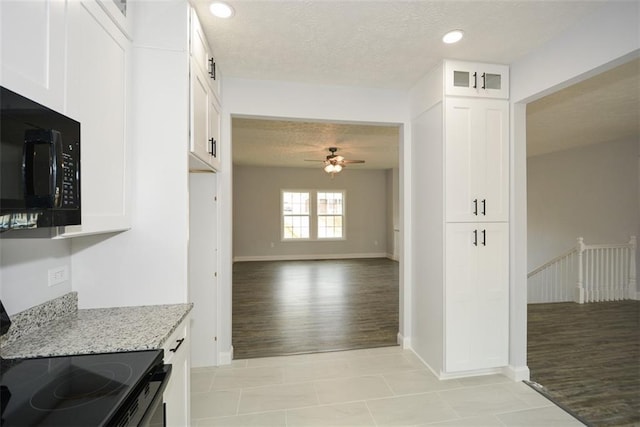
x=316 y=293
x=583 y=182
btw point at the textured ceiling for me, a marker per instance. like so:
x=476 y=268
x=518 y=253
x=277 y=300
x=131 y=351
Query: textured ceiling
x=391 y=44
x=259 y=142
x=380 y=43
x=604 y=108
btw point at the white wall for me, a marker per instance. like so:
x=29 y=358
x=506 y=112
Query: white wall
x=257 y=222
x=24 y=271
x=589 y=191
x=601 y=41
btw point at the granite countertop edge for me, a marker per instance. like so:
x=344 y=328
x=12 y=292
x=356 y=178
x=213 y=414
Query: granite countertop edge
x=99 y=330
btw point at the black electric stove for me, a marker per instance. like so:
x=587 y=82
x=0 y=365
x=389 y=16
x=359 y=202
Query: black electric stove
x=82 y=390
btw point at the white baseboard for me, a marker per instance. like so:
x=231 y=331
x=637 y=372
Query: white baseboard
x=516 y=373
x=404 y=342
x=308 y=257
x=226 y=357
x=467 y=374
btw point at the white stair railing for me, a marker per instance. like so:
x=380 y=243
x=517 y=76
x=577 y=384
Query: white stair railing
x=586 y=273
x=606 y=272
x=554 y=281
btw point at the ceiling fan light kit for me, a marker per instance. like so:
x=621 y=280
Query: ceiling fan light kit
x=335 y=163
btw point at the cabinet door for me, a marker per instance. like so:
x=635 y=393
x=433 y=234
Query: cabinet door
x=477 y=80
x=202 y=54
x=177 y=395
x=35 y=66
x=203 y=267
x=476 y=160
x=199 y=115
x=120 y=14
x=214 y=132
x=492 y=312
x=476 y=295
x=97 y=80
x=205 y=123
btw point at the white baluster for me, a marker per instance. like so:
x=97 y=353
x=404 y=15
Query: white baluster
x=632 y=268
x=579 y=296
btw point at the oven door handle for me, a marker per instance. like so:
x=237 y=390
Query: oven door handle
x=162 y=376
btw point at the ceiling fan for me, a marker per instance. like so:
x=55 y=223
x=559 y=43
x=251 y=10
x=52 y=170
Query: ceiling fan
x=335 y=163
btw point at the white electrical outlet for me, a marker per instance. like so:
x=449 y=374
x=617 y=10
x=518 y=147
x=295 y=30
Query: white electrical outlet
x=58 y=275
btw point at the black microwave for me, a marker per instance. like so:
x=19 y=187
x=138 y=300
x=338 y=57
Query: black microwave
x=39 y=165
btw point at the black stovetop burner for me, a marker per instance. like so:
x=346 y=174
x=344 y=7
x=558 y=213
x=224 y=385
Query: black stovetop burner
x=81 y=390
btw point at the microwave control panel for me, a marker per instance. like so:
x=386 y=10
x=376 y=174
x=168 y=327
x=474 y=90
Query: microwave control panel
x=70 y=179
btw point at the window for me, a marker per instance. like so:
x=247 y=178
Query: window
x=330 y=213
x=309 y=215
x=295 y=215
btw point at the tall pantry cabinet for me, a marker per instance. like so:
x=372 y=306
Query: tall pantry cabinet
x=176 y=114
x=470 y=103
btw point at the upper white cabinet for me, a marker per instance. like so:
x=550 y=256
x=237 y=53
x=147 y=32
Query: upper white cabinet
x=476 y=79
x=205 y=122
x=204 y=81
x=34 y=67
x=98 y=70
x=119 y=14
x=476 y=159
x=73 y=58
x=203 y=55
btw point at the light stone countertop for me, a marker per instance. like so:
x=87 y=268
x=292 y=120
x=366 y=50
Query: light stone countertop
x=100 y=330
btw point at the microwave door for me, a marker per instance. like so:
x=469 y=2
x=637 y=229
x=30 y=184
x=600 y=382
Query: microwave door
x=42 y=168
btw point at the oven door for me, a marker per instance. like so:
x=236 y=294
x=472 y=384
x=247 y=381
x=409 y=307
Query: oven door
x=147 y=408
x=155 y=413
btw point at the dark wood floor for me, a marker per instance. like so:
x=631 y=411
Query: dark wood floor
x=587 y=356
x=292 y=307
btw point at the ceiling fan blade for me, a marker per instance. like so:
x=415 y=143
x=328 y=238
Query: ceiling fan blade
x=313 y=160
x=353 y=161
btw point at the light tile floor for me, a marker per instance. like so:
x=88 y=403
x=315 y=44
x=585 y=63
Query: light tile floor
x=375 y=387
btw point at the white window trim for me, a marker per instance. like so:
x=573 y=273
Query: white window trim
x=344 y=216
x=282 y=216
x=313 y=215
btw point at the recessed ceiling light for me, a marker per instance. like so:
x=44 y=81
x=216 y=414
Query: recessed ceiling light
x=221 y=9
x=453 y=36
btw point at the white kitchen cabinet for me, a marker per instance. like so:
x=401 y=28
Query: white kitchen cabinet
x=476 y=159
x=461 y=228
x=119 y=14
x=177 y=395
x=205 y=119
x=72 y=57
x=476 y=80
x=203 y=268
x=202 y=54
x=204 y=77
x=35 y=67
x=98 y=72
x=476 y=296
